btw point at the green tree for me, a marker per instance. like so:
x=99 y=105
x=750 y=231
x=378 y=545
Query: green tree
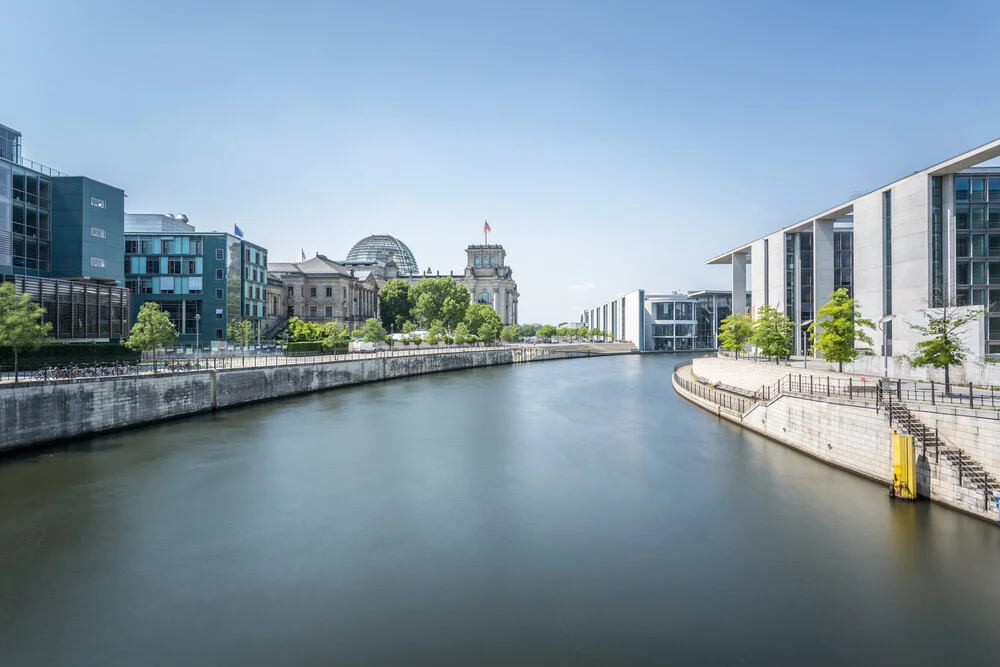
x=395 y=304
x=242 y=333
x=840 y=328
x=373 y=331
x=461 y=333
x=510 y=333
x=772 y=333
x=409 y=327
x=478 y=314
x=439 y=299
x=436 y=332
x=528 y=330
x=21 y=328
x=303 y=331
x=735 y=332
x=943 y=346
x=152 y=329
x=547 y=331
x=491 y=327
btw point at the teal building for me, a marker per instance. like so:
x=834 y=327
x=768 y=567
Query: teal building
x=205 y=281
x=61 y=241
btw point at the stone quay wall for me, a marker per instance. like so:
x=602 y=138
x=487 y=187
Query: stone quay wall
x=40 y=412
x=853 y=435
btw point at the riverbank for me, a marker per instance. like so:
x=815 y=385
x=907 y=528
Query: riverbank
x=958 y=450
x=45 y=412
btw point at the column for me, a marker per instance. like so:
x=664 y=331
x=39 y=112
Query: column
x=822 y=264
x=739 y=282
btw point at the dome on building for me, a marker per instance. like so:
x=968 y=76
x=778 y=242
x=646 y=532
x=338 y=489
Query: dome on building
x=377 y=248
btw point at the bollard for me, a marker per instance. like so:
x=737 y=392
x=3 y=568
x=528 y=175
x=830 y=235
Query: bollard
x=850 y=388
x=932 y=393
x=971 y=404
x=899 y=390
x=810 y=384
x=827 y=385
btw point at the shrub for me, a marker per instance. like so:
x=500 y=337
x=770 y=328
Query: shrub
x=62 y=354
x=406 y=341
x=448 y=340
x=306 y=347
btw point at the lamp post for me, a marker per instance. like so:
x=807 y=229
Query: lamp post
x=881 y=325
x=197 y=335
x=805 y=343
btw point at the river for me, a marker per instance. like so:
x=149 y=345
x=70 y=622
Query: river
x=561 y=513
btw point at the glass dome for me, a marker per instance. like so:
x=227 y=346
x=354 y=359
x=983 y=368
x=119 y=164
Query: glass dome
x=376 y=249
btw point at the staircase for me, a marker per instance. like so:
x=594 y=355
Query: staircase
x=273 y=327
x=970 y=474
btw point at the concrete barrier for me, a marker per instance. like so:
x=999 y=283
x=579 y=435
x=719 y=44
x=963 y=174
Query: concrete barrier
x=41 y=412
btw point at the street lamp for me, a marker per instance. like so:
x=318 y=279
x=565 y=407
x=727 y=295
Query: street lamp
x=881 y=325
x=197 y=335
x=805 y=342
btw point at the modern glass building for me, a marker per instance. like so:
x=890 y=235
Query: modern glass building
x=376 y=250
x=205 y=281
x=67 y=233
x=677 y=322
x=929 y=239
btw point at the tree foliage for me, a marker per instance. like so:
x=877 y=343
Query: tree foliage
x=772 y=333
x=21 y=326
x=395 y=303
x=242 y=332
x=300 y=331
x=436 y=332
x=510 y=333
x=461 y=333
x=152 y=329
x=409 y=327
x=547 y=331
x=527 y=330
x=477 y=314
x=439 y=299
x=942 y=346
x=840 y=328
x=735 y=332
x=334 y=334
x=373 y=331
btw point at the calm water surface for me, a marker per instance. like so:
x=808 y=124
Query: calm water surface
x=564 y=513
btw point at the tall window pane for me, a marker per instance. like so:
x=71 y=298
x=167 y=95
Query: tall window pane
x=961 y=217
x=978 y=189
x=961 y=190
x=979 y=245
x=979 y=217
x=995 y=189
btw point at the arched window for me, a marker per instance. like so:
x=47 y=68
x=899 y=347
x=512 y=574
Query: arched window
x=485 y=297
x=476 y=261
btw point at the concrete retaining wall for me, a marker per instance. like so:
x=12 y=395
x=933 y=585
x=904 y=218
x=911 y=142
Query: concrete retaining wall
x=853 y=436
x=35 y=413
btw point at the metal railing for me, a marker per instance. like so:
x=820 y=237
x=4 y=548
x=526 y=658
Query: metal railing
x=721 y=398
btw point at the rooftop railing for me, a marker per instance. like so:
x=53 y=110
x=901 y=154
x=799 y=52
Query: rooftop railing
x=35 y=166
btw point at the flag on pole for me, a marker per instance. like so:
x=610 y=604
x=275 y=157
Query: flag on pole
x=237 y=231
x=486 y=227
x=303 y=255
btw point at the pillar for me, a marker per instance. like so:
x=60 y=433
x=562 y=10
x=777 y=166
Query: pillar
x=739 y=282
x=822 y=264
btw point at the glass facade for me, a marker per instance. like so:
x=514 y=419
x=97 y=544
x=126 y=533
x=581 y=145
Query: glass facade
x=378 y=248
x=25 y=221
x=937 y=244
x=790 y=276
x=977 y=248
x=843 y=261
x=683 y=323
x=77 y=310
x=806 y=277
x=10 y=144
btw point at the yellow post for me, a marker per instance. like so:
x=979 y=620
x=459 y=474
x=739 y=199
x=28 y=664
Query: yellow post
x=904 y=467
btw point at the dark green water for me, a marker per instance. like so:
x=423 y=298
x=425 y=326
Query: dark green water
x=563 y=513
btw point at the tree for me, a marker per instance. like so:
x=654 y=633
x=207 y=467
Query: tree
x=152 y=329
x=510 y=333
x=772 y=333
x=21 y=327
x=334 y=334
x=943 y=346
x=489 y=331
x=395 y=304
x=303 y=331
x=439 y=299
x=409 y=327
x=735 y=332
x=242 y=332
x=547 y=331
x=436 y=332
x=527 y=330
x=840 y=329
x=461 y=333
x=477 y=314
x=373 y=331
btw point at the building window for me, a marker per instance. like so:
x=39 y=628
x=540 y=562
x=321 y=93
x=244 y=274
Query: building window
x=219 y=274
x=937 y=244
x=485 y=298
x=248 y=255
x=218 y=334
x=131 y=246
x=246 y=309
x=194 y=285
x=290 y=291
x=329 y=291
x=218 y=294
x=255 y=310
x=191 y=266
x=312 y=291
x=132 y=285
x=218 y=313
x=98 y=233
x=145 y=286
x=99 y=203
x=98 y=262
x=152 y=265
x=329 y=311
x=174 y=266
x=312 y=311
x=962 y=190
x=165 y=246
x=220 y=254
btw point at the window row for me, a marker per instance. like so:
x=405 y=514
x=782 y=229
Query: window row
x=256 y=257
x=30 y=189
x=977 y=189
x=977 y=273
x=673 y=311
x=977 y=217
x=254 y=275
x=979 y=296
x=977 y=245
x=178 y=246
x=681 y=330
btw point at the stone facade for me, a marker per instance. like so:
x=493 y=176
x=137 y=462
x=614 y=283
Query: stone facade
x=321 y=290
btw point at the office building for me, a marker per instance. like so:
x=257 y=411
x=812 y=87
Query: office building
x=205 y=281
x=676 y=322
x=61 y=241
x=927 y=239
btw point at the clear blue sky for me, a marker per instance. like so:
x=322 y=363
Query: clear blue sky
x=611 y=145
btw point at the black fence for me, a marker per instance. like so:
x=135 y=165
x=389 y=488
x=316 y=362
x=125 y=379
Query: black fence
x=721 y=398
x=903 y=391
